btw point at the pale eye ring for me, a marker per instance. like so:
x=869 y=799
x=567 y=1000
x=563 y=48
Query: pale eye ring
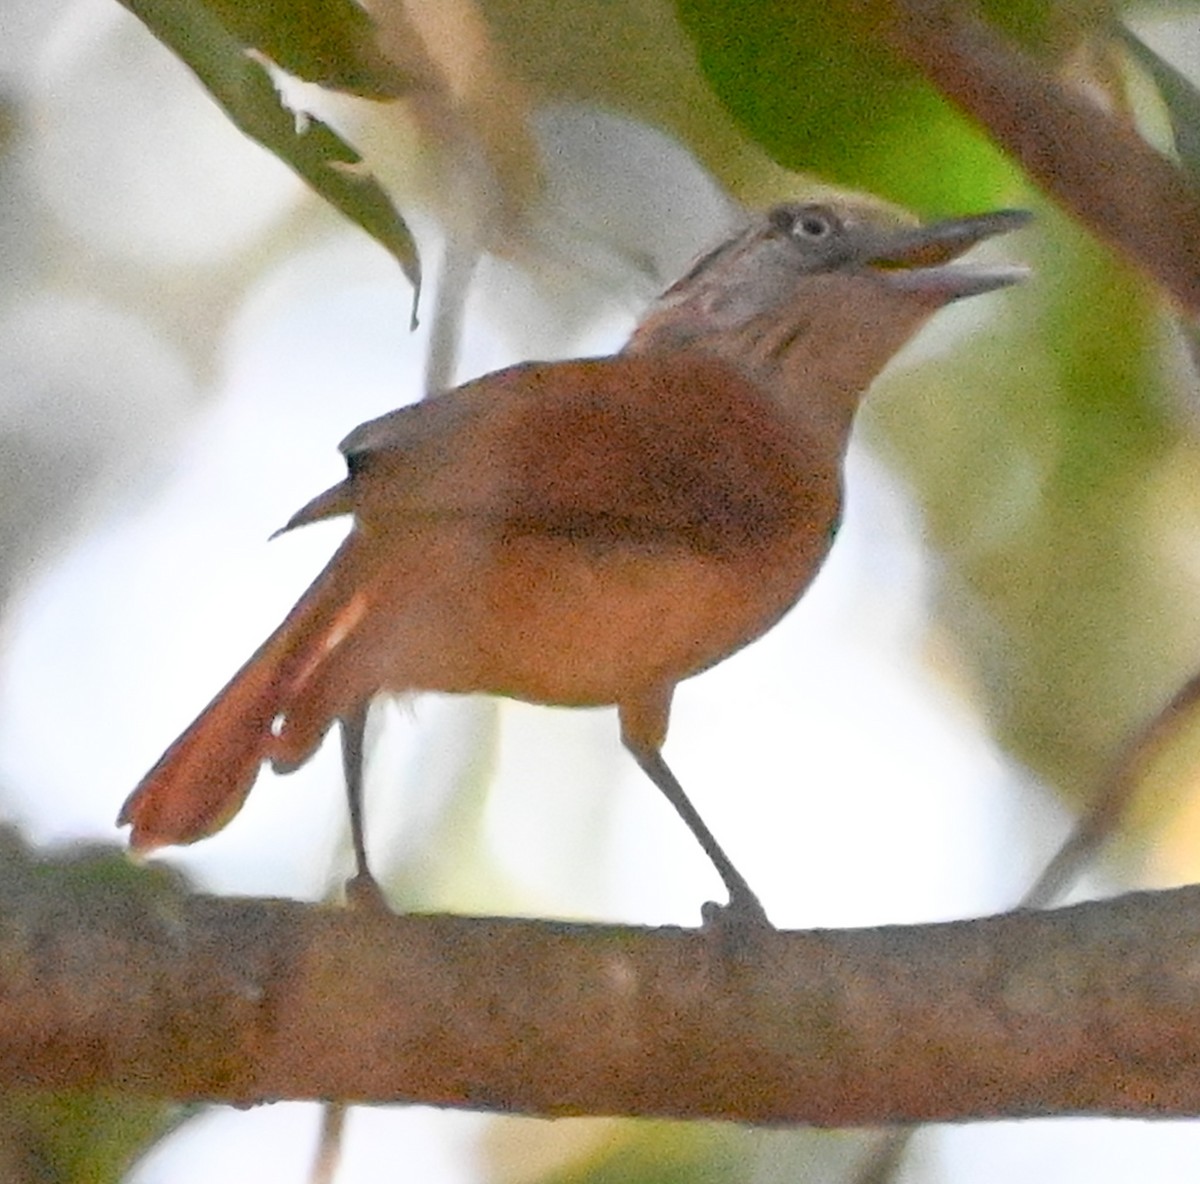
x=812 y=224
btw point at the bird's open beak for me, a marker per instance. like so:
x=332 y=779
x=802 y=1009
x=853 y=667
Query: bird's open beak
x=921 y=259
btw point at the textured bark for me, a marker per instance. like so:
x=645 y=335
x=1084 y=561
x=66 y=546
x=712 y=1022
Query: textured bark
x=1093 y=1009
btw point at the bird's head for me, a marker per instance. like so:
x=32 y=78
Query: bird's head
x=816 y=297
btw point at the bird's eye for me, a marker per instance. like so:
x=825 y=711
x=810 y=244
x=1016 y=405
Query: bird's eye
x=812 y=224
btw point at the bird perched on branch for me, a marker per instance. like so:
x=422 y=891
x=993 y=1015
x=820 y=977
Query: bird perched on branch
x=588 y=532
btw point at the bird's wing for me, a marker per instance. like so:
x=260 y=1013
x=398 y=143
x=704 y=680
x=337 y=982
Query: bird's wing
x=674 y=449
x=678 y=449
x=398 y=452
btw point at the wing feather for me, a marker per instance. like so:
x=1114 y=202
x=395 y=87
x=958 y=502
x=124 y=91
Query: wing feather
x=679 y=450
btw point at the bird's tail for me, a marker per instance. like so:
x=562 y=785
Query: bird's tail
x=277 y=707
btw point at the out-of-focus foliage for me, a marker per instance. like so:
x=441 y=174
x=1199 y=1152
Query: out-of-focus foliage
x=331 y=42
x=633 y=57
x=1178 y=93
x=608 y=1151
x=78 y=1138
x=213 y=39
x=1035 y=495
x=819 y=88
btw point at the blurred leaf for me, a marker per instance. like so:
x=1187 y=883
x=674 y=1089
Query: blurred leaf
x=245 y=91
x=1181 y=98
x=1038 y=23
x=817 y=85
x=78 y=1138
x=331 y=42
x=631 y=57
x=650 y=1152
x=1051 y=582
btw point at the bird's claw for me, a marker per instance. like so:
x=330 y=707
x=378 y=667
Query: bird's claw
x=363 y=892
x=738 y=924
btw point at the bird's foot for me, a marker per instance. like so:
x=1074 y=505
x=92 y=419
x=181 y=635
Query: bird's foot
x=363 y=892
x=737 y=925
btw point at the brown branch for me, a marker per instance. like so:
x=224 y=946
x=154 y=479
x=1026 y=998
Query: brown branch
x=1093 y=1009
x=1090 y=162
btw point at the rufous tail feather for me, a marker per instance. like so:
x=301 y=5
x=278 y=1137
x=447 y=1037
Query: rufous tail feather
x=201 y=781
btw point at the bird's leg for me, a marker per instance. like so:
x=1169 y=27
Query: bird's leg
x=643 y=739
x=362 y=892
x=743 y=904
x=362 y=888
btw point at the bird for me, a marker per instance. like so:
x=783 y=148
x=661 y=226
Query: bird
x=589 y=532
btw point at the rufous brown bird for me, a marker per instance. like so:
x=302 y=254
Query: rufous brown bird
x=589 y=532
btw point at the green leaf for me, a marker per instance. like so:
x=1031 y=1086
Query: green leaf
x=817 y=86
x=331 y=42
x=77 y=1137
x=248 y=96
x=1181 y=98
